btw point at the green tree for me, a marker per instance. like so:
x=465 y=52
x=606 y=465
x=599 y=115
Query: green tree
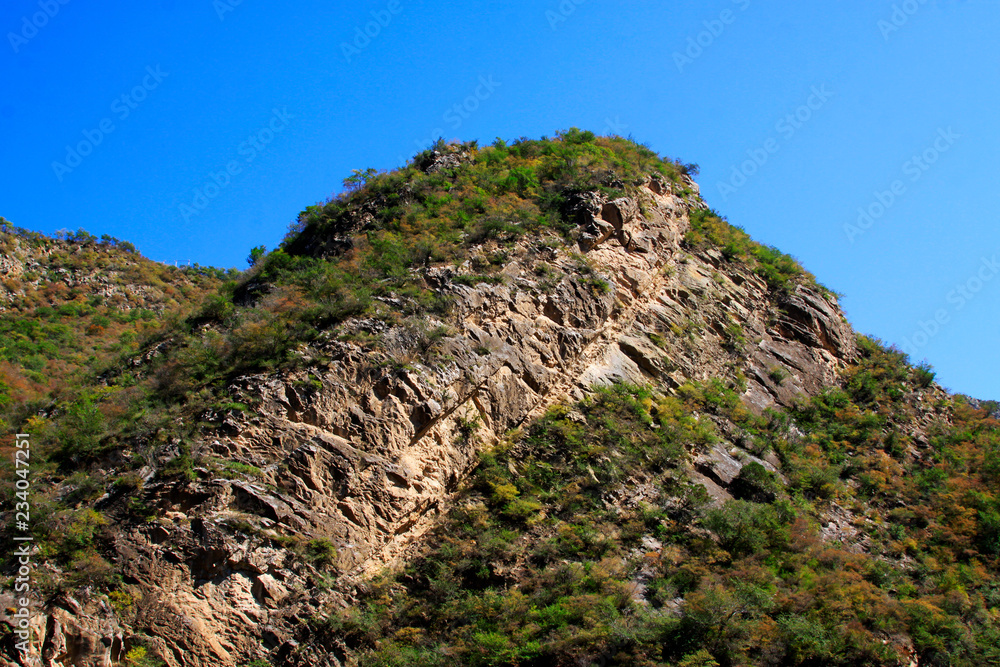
x=256 y=254
x=359 y=178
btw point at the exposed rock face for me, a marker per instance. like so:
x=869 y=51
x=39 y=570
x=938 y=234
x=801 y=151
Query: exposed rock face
x=364 y=448
x=83 y=633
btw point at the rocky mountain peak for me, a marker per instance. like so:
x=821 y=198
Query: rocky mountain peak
x=409 y=353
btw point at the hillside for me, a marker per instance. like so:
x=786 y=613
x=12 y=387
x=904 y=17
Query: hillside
x=526 y=404
x=71 y=305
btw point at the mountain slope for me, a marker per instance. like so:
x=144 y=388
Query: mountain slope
x=71 y=304
x=707 y=464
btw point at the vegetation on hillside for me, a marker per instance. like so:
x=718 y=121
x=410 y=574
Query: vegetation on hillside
x=78 y=305
x=367 y=252
x=411 y=219
x=141 y=374
x=780 y=271
x=581 y=541
x=373 y=243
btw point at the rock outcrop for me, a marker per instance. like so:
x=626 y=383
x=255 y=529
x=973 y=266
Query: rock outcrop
x=362 y=448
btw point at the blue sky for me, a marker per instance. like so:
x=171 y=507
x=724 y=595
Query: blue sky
x=861 y=137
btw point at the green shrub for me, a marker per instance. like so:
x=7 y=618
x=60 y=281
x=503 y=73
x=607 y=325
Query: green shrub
x=777 y=374
x=596 y=285
x=700 y=658
x=256 y=255
x=138 y=656
x=121 y=601
x=182 y=465
x=320 y=551
x=780 y=271
x=923 y=375
x=235 y=469
x=755 y=483
x=746 y=528
x=81 y=431
x=735 y=338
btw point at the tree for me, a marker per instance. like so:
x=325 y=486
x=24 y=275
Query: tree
x=256 y=254
x=359 y=178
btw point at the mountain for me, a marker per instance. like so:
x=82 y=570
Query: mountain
x=526 y=404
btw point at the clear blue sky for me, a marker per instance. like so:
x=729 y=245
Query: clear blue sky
x=834 y=100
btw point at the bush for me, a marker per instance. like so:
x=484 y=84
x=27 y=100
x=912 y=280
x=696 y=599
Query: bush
x=777 y=374
x=756 y=484
x=320 y=551
x=81 y=431
x=236 y=469
x=182 y=465
x=745 y=528
x=138 y=656
x=923 y=375
x=78 y=536
x=90 y=569
x=121 y=601
x=256 y=255
x=700 y=658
